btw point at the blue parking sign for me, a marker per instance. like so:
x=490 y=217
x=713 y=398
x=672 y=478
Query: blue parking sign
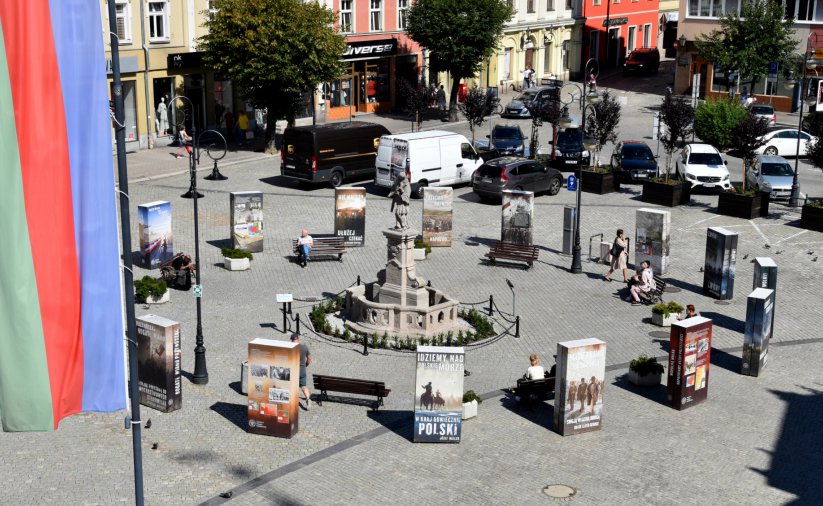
x=773 y=67
x=571 y=183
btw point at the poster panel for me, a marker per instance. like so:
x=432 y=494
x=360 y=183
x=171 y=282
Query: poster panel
x=158 y=363
x=350 y=215
x=399 y=158
x=437 y=216
x=765 y=276
x=759 y=324
x=247 y=221
x=156 y=238
x=578 y=399
x=652 y=235
x=690 y=345
x=273 y=398
x=721 y=256
x=438 y=400
x=517 y=214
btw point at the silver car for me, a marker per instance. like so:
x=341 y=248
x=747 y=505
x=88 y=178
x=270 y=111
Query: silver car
x=771 y=171
x=518 y=107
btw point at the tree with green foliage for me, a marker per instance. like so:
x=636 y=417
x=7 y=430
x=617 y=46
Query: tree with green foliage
x=602 y=125
x=274 y=51
x=747 y=137
x=459 y=34
x=544 y=109
x=749 y=40
x=678 y=116
x=477 y=106
x=418 y=100
x=814 y=152
x=715 y=120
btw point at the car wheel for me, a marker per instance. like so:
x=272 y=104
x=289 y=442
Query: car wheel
x=420 y=189
x=554 y=186
x=336 y=179
x=771 y=151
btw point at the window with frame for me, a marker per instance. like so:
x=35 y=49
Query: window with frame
x=568 y=5
x=530 y=6
x=159 y=21
x=375 y=15
x=549 y=5
x=595 y=2
x=122 y=13
x=402 y=14
x=647 y=35
x=346 y=16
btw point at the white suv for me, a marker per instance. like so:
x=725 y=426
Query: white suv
x=702 y=165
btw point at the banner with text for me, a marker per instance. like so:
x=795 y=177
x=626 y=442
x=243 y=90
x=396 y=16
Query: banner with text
x=690 y=345
x=273 y=403
x=578 y=398
x=437 y=216
x=721 y=256
x=247 y=221
x=350 y=215
x=158 y=363
x=156 y=238
x=758 y=332
x=438 y=402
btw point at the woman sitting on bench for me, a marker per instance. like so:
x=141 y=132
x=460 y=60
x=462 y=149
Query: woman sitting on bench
x=645 y=284
x=536 y=370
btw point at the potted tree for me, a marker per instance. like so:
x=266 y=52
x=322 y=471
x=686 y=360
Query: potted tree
x=811 y=215
x=151 y=291
x=664 y=314
x=645 y=371
x=743 y=202
x=470 y=402
x=678 y=116
x=601 y=128
x=421 y=249
x=236 y=259
x=477 y=105
x=599 y=180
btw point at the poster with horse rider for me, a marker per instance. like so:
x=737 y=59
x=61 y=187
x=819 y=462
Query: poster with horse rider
x=438 y=401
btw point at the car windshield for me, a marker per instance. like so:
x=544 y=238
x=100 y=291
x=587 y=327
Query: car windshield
x=487 y=170
x=639 y=56
x=777 y=169
x=705 y=159
x=526 y=96
x=507 y=133
x=637 y=153
x=762 y=109
x=570 y=137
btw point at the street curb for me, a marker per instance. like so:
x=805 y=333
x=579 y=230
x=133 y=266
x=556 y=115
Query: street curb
x=186 y=171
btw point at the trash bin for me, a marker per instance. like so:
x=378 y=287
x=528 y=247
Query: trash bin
x=569 y=219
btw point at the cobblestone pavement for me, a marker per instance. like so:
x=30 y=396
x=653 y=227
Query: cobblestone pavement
x=750 y=442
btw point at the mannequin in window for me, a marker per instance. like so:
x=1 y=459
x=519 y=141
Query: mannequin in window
x=162 y=118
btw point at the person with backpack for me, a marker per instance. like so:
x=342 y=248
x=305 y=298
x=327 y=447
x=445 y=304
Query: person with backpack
x=619 y=257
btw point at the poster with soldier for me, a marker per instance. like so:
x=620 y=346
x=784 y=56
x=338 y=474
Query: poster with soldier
x=437 y=216
x=247 y=220
x=517 y=214
x=350 y=215
x=158 y=363
x=438 y=400
x=578 y=398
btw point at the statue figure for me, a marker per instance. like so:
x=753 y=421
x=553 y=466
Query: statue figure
x=400 y=195
x=162 y=118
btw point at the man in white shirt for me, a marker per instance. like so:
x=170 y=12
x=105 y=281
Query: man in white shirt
x=304 y=245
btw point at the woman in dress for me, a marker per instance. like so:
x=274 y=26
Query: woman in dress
x=619 y=257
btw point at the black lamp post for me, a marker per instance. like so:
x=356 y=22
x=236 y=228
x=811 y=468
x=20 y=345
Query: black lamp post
x=201 y=374
x=808 y=63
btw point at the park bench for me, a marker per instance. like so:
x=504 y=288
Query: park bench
x=540 y=389
x=325 y=384
x=512 y=251
x=331 y=245
x=656 y=295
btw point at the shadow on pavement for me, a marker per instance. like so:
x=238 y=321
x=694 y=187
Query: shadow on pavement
x=220 y=243
x=656 y=393
x=724 y=321
x=725 y=360
x=538 y=412
x=400 y=421
x=235 y=413
x=683 y=285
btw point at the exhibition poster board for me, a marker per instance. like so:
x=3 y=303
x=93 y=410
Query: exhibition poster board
x=158 y=363
x=718 y=270
x=759 y=325
x=690 y=348
x=156 y=238
x=517 y=217
x=350 y=215
x=247 y=221
x=652 y=236
x=437 y=216
x=765 y=276
x=578 y=398
x=438 y=400
x=273 y=398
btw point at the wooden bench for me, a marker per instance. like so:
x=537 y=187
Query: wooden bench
x=656 y=295
x=325 y=246
x=539 y=389
x=512 y=251
x=325 y=384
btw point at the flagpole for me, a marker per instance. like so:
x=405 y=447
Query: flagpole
x=125 y=238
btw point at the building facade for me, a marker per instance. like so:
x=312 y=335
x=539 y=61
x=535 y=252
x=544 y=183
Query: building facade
x=614 y=28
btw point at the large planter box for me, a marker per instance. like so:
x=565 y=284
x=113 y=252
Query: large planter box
x=649 y=380
x=811 y=218
x=664 y=321
x=419 y=254
x=599 y=183
x=469 y=410
x=669 y=195
x=236 y=264
x=739 y=206
x=159 y=300
x=765 y=200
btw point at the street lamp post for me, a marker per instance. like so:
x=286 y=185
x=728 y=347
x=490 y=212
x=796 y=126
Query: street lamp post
x=808 y=63
x=201 y=374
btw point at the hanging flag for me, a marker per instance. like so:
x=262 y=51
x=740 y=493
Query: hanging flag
x=61 y=329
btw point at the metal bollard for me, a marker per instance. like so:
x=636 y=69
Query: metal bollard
x=491 y=305
x=285 y=328
x=297 y=323
x=358 y=280
x=365 y=345
x=516 y=326
x=289 y=305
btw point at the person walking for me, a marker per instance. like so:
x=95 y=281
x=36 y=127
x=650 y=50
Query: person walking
x=441 y=98
x=619 y=257
x=305 y=361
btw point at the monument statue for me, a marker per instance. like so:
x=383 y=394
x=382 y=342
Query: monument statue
x=400 y=195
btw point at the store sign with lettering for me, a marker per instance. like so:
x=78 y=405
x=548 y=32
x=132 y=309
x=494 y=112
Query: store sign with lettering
x=370 y=48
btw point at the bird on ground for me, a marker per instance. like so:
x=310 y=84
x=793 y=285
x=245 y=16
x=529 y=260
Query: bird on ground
x=814 y=259
x=766 y=246
x=154 y=446
x=745 y=256
x=227 y=495
x=148 y=424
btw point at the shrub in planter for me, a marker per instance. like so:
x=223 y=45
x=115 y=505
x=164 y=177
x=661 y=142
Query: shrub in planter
x=664 y=314
x=236 y=253
x=740 y=204
x=149 y=288
x=645 y=371
x=470 y=395
x=470 y=402
x=811 y=215
x=236 y=259
x=663 y=192
x=420 y=244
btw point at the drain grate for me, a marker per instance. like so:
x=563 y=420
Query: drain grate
x=559 y=491
x=659 y=334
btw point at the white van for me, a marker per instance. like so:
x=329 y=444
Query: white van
x=434 y=158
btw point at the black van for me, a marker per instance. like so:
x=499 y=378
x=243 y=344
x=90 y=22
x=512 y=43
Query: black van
x=331 y=152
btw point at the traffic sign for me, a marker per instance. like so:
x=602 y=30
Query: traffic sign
x=197 y=291
x=571 y=183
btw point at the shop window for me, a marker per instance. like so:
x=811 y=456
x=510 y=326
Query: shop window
x=402 y=14
x=346 y=25
x=122 y=13
x=339 y=92
x=595 y=2
x=158 y=21
x=549 y=5
x=377 y=82
x=375 y=15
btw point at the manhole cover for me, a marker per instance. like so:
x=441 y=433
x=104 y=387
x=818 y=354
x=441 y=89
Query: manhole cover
x=722 y=302
x=659 y=334
x=559 y=491
x=671 y=289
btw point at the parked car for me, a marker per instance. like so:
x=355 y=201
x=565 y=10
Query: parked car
x=771 y=172
x=702 y=165
x=764 y=111
x=515 y=173
x=569 y=151
x=633 y=161
x=783 y=142
x=645 y=60
x=518 y=107
x=504 y=140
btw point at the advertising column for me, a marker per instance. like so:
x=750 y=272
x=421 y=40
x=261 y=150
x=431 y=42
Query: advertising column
x=652 y=238
x=517 y=210
x=437 y=216
x=438 y=401
x=690 y=345
x=578 y=398
x=721 y=255
x=273 y=400
x=759 y=325
x=156 y=239
x=247 y=221
x=158 y=363
x=350 y=215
